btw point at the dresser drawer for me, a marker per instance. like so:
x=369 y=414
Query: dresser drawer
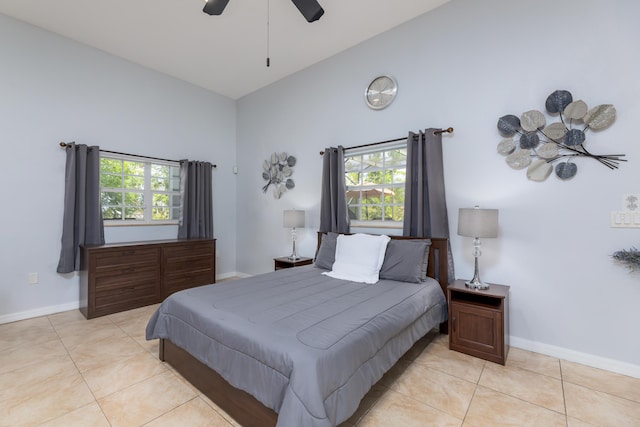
x=127 y=297
x=182 y=257
x=188 y=280
x=112 y=260
x=125 y=276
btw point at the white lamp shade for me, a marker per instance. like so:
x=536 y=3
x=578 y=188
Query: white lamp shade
x=475 y=222
x=293 y=219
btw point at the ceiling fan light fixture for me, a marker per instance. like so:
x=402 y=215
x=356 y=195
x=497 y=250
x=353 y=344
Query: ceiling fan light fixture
x=310 y=9
x=214 y=7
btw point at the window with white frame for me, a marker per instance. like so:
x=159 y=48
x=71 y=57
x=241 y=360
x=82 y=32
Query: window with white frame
x=375 y=180
x=136 y=190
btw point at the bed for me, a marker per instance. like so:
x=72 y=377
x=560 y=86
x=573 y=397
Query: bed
x=295 y=347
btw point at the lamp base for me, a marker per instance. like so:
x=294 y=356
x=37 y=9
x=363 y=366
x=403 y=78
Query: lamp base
x=475 y=283
x=293 y=257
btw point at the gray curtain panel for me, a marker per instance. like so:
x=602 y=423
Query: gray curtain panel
x=196 y=205
x=82 y=218
x=334 y=215
x=425 y=207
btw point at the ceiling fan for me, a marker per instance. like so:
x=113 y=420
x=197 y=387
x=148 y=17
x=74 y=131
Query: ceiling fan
x=310 y=9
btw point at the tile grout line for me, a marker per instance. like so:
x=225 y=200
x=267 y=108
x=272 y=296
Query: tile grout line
x=475 y=389
x=95 y=400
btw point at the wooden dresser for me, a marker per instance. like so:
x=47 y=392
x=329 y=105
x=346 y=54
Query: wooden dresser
x=122 y=276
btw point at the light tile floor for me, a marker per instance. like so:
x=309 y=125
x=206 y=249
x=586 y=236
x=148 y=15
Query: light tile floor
x=64 y=370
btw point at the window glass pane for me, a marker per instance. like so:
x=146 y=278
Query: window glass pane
x=133 y=213
x=175 y=201
x=175 y=214
x=371 y=213
x=398 y=213
x=353 y=163
x=373 y=195
x=159 y=184
x=133 y=168
x=110 y=165
x=110 y=181
x=111 y=198
x=396 y=157
x=175 y=184
x=353 y=178
x=354 y=212
x=160 y=213
x=160 y=170
x=134 y=199
x=398 y=176
x=353 y=197
x=388 y=213
x=369 y=178
x=160 y=199
x=111 y=212
x=372 y=160
x=134 y=182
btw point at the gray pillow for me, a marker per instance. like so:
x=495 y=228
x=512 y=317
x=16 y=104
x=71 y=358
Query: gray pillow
x=326 y=255
x=406 y=260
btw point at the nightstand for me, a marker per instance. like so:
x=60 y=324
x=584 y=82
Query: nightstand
x=479 y=321
x=286 y=262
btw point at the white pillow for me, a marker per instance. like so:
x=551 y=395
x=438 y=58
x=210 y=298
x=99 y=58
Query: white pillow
x=359 y=257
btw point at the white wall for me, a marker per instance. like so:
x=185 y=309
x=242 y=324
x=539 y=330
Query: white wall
x=465 y=65
x=53 y=89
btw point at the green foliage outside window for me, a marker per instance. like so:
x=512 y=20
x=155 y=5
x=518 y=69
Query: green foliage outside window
x=126 y=186
x=375 y=185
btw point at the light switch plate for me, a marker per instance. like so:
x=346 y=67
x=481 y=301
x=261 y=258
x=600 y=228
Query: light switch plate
x=625 y=219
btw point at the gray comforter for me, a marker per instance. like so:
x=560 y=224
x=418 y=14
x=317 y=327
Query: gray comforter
x=304 y=344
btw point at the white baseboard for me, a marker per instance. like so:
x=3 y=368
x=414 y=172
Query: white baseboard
x=612 y=365
x=45 y=311
x=42 y=311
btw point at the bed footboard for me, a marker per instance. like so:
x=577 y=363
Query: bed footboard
x=240 y=405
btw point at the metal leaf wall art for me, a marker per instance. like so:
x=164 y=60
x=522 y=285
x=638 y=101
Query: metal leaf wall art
x=277 y=172
x=533 y=144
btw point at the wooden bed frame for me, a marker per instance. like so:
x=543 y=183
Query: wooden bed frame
x=242 y=406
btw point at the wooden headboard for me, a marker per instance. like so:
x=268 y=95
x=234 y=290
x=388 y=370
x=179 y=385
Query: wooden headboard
x=438 y=267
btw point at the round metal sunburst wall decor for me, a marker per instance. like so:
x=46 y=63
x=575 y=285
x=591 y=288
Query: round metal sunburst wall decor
x=533 y=144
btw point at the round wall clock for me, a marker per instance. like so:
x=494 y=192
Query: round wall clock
x=380 y=92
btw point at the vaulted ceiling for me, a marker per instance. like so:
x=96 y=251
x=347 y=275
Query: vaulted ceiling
x=227 y=53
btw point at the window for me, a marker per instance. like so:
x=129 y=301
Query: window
x=134 y=190
x=375 y=179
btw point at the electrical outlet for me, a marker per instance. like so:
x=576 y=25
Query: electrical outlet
x=33 y=278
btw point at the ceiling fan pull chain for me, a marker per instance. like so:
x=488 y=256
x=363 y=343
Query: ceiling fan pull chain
x=268 y=59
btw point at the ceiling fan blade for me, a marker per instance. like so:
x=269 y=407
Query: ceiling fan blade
x=215 y=7
x=311 y=9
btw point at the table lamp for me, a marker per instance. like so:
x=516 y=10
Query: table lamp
x=293 y=219
x=477 y=223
